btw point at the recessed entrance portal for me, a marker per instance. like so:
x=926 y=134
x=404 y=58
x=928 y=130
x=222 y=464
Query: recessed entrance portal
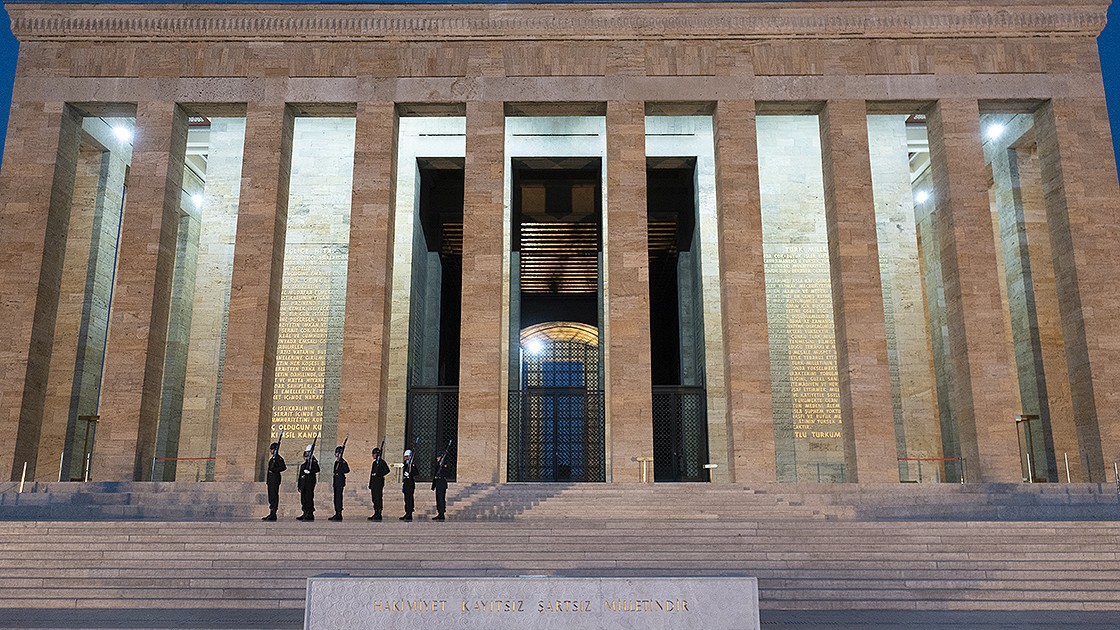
x=556 y=406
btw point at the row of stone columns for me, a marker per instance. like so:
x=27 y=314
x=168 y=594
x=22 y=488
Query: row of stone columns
x=1079 y=185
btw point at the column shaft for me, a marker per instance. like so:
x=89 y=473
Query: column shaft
x=480 y=356
x=857 y=295
x=1080 y=188
x=746 y=340
x=982 y=398
x=36 y=186
x=134 y=356
x=630 y=404
x=366 y=331
x=254 y=304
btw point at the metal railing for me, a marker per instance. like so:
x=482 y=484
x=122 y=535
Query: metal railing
x=198 y=474
x=937 y=476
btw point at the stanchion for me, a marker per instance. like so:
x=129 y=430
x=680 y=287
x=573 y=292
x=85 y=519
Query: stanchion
x=644 y=464
x=710 y=468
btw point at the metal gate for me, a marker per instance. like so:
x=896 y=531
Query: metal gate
x=556 y=434
x=433 y=419
x=680 y=434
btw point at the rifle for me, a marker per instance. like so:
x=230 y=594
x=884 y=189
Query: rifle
x=344 y=441
x=279 y=441
x=380 y=452
x=312 y=456
x=443 y=458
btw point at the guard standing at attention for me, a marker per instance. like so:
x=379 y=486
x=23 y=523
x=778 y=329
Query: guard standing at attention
x=377 y=483
x=275 y=467
x=439 y=484
x=308 y=475
x=340 y=470
x=408 y=485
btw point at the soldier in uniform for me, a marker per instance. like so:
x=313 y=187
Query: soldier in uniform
x=377 y=483
x=275 y=467
x=408 y=485
x=340 y=470
x=305 y=481
x=439 y=484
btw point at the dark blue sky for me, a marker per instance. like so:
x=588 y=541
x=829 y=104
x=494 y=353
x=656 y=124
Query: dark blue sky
x=1109 y=44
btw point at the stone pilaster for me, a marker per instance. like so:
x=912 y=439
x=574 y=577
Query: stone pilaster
x=366 y=331
x=747 y=351
x=254 y=305
x=1082 y=204
x=629 y=386
x=982 y=397
x=133 y=375
x=36 y=186
x=480 y=357
x=857 y=295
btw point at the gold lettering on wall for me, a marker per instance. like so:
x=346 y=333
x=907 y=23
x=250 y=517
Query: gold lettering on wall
x=803 y=350
x=306 y=336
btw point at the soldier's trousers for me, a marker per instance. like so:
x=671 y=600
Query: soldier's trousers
x=409 y=499
x=273 y=497
x=338 y=499
x=441 y=498
x=307 y=500
x=378 y=501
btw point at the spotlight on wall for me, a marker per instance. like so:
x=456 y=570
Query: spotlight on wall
x=124 y=134
x=995 y=130
x=197 y=199
x=534 y=346
x=921 y=196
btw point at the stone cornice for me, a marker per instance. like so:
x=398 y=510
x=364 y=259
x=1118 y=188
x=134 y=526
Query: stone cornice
x=418 y=23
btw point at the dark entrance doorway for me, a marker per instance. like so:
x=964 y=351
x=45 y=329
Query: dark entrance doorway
x=680 y=418
x=556 y=403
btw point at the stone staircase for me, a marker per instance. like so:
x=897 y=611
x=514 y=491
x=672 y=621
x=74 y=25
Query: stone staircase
x=904 y=548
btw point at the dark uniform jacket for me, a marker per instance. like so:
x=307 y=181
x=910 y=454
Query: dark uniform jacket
x=308 y=474
x=439 y=477
x=341 y=468
x=275 y=467
x=378 y=474
x=408 y=474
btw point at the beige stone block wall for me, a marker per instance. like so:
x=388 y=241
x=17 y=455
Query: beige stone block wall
x=254 y=306
x=629 y=397
x=909 y=344
x=365 y=356
x=750 y=425
x=808 y=424
x=481 y=399
x=313 y=294
x=133 y=372
x=210 y=315
x=982 y=398
x=36 y=185
x=1078 y=174
x=867 y=412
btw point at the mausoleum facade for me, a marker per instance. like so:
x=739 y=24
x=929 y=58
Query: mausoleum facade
x=851 y=241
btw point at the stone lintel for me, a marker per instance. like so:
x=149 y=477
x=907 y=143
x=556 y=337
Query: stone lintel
x=645 y=21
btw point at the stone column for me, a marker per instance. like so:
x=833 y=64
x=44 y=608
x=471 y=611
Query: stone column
x=866 y=408
x=629 y=384
x=133 y=374
x=365 y=347
x=1082 y=206
x=36 y=186
x=982 y=396
x=746 y=340
x=480 y=355
x=254 y=304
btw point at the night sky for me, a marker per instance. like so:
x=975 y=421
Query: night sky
x=1109 y=44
